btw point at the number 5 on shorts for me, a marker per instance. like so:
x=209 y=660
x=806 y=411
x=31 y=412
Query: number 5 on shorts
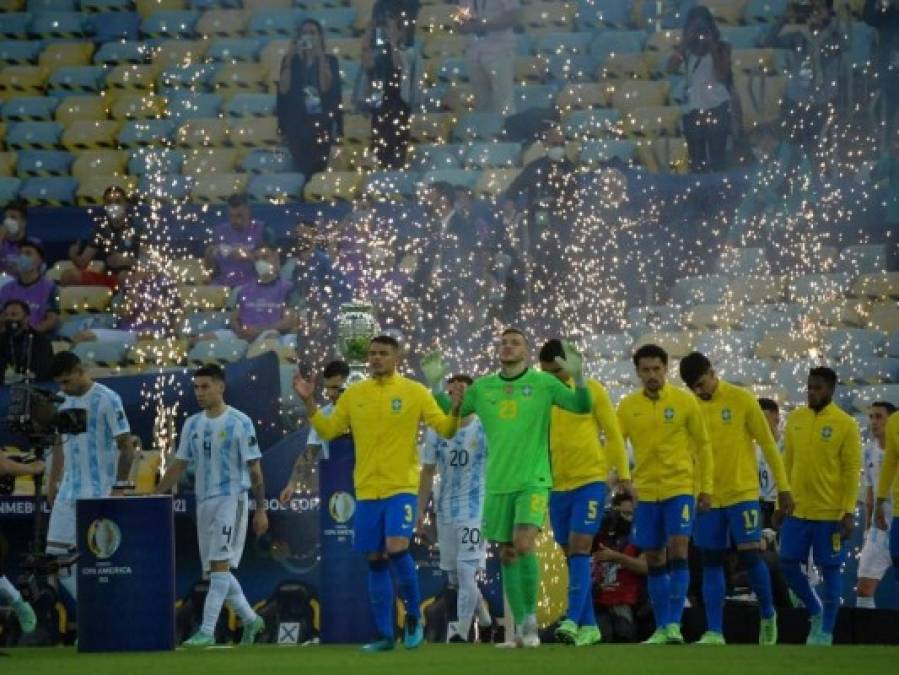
x=591 y=509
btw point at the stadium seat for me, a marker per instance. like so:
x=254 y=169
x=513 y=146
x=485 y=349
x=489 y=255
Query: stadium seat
x=156 y=160
x=494 y=182
x=884 y=317
x=58 y=54
x=254 y=132
x=756 y=61
x=53 y=191
x=337 y=22
x=760 y=96
x=607 y=43
x=586 y=124
x=631 y=94
x=222 y=23
x=117 y=53
x=478 y=126
x=782 y=345
x=616 y=373
x=217 y=187
x=756 y=290
x=871 y=370
x=70 y=80
x=762 y=318
x=137 y=78
x=663 y=41
x=610 y=346
x=876 y=285
x=102 y=162
x=203 y=161
x=583 y=96
x=332 y=186
x=677 y=343
x=891 y=345
x=158 y=353
x=9 y=189
x=233 y=49
x=44 y=163
x=57 y=25
x=20 y=52
x=492 y=155
x=699 y=290
x=275 y=22
x=726 y=345
x=442 y=46
x=114 y=26
x=74 y=324
x=33 y=135
x=653 y=318
x=455 y=177
x=81 y=108
x=106 y=353
x=853 y=343
x=735 y=261
x=202 y=298
x=598 y=14
x=7 y=164
x=535 y=96
x=663 y=155
x=202 y=132
x=433 y=127
x=185 y=105
x=146 y=133
x=390 y=186
x=813 y=287
x=237 y=78
x=91 y=188
x=626 y=67
x=652 y=122
x=149 y=7
x=840 y=312
x=764 y=11
x=22 y=81
x=84 y=135
x=564 y=43
x=863 y=397
x=138 y=107
x=170 y=24
x=250 y=105
x=596 y=153
x=29 y=109
x=705 y=316
x=217 y=351
x=267 y=161
x=15 y=25
x=165 y=187
x=277 y=188
x=747 y=372
x=77 y=299
x=199 y=322
x=863 y=259
x=177 y=53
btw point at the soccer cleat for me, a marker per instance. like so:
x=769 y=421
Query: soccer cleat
x=529 y=635
x=567 y=632
x=768 y=631
x=588 y=636
x=251 y=630
x=25 y=615
x=413 y=632
x=660 y=637
x=382 y=645
x=200 y=639
x=823 y=639
x=711 y=638
x=814 y=632
x=452 y=633
x=672 y=630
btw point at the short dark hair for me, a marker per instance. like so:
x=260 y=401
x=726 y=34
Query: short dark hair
x=19 y=205
x=650 y=351
x=511 y=330
x=31 y=243
x=335 y=368
x=213 y=370
x=769 y=405
x=64 y=363
x=886 y=405
x=443 y=189
x=824 y=373
x=387 y=340
x=461 y=377
x=620 y=497
x=114 y=189
x=550 y=350
x=692 y=367
x=238 y=199
x=20 y=303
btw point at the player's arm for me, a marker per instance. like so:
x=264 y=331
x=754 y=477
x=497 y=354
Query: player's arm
x=56 y=469
x=329 y=427
x=869 y=507
x=300 y=465
x=761 y=433
x=257 y=487
x=173 y=473
x=702 y=452
x=579 y=399
x=850 y=468
x=127 y=453
x=425 y=488
x=607 y=420
x=887 y=471
x=434 y=417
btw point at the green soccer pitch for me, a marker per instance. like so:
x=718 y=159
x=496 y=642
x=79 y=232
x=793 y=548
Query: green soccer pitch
x=462 y=660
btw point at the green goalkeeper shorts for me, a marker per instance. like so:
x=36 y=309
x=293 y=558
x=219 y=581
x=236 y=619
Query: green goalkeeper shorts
x=503 y=512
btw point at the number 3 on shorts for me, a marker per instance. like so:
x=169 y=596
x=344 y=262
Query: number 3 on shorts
x=407 y=513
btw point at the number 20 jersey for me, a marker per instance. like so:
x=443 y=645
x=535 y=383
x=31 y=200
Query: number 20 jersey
x=460 y=463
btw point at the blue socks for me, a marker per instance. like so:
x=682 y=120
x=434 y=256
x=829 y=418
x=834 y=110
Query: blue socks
x=680 y=583
x=714 y=589
x=407 y=580
x=833 y=588
x=760 y=580
x=659 y=587
x=579 y=587
x=799 y=584
x=380 y=597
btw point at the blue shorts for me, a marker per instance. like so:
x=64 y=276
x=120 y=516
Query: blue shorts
x=798 y=536
x=741 y=521
x=656 y=522
x=377 y=519
x=579 y=510
x=894 y=538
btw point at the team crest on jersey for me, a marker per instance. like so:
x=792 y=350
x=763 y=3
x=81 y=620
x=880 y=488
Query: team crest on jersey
x=726 y=415
x=669 y=414
x=396 y=405
x=826 y=433
x=527 y=391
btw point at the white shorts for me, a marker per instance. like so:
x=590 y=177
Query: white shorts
x=222 y=529
x=874 y=560
x=61 y=529
x=461 y=541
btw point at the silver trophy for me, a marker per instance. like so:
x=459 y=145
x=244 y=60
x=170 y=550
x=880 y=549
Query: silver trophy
x=356 y=326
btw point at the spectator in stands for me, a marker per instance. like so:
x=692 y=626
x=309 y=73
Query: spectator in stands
x=21 y=347
x=407 y=10
x=389 y=86
x=491 y=49
x=887 y=171
x=234 y=244
x=618 y=571
x=309 y=97
x=709 y=110
x=512 y=263
x=549 y=182
x=813 y=70
x=884 y=16
x=115 y=239
x=12 y=233
x=34 y=288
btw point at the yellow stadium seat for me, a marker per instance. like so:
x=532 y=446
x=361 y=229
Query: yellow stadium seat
x=208 y=161
x=12 y=5
x=202 y=298
x=349 y=157
x=147 y=8
x=22 y=81
x=7 y=164
x=271 y=57
x=222 y=22
x=754 y=61
x=138 y=107
x=652 y=122
x=356 y=129
x=432 y=127
x=758 y=290
x=189 y=271
x=345 y=48
x=254 y=132
x=663 y=40
x=760 y=98
x=217 y=187
x=100 y=162
x=75 y=299
x=83 y=135
x=203 y=132
x=159 y=353
x=728 y=12
x=132 y=77
x=531 y=69
x=841 y=312
x=663 y=155
x=437 y=18
x=81 y=109
x=174 y=53
x=631 y=94
x=444 y=45
x=713 y=316
x=241 y=77
x=91 y=188
x=786 y=345
x=494 y=182
x=543 y=17
x=884 y=317
x=584 y=95
x=59 y=54
x=677 y=343
x=60 y=267
x=333 y=185
x=626 y=66
x=876 y=285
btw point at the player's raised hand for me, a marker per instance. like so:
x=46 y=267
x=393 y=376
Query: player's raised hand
x=305 y=388
x=572 y=363
x=260 y=522
x=880 y=517
x=434 y=369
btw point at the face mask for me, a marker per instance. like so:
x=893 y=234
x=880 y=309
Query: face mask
x=115 y=211
x=264 y=268
x=25 y=264
x=12 y=226
x=14 y=326
x=556 y=153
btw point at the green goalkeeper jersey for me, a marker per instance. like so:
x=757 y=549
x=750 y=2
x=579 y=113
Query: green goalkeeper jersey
x=515 y=414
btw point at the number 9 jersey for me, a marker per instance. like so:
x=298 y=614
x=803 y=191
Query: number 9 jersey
x=460 y=463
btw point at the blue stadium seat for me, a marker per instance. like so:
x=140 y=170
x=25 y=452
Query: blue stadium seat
x=653 y=318
x=792 y=374
x=276 y=187
x=193 y=78
x=101 y=6
x=563 y=43
x=164 y=186
x=863 y=397
x=891 y=345
x=337 y=22
x=768 y=318
x=217 y=351
x=15 y=25
x=456 y=177
x=707 y=290
x=862 y=39
x=742 y=37
x=115 y=53
x=573 y=67
x=52 y=6
x=597 y=123
x=107 y=353
x=288 y=396
x=863 y=259
x=250 y=105
x=49 y=191
x=853 y=343
x=57 y=25
x=594 y=153
x=747 y=372
x=592 y=14
x=29 y=109
x=871 y=370
x=535 y=96
x=480 y=126
x=275 y=22
x=726 y=344
x=432 y=157
x=388 y=185
x=183 y=106
x=44 y=163
x=19 y=52
x=493 y=155
x=146 y=132
x=155 y=160
x=610 y=346
x=170 y=24
x=811 y=287
x=110 y=26
x=234 y=49
x=453 y=70
x=198 y=323
x=72 y=325
x=764 y=10
x=70 y=80
x=743 y=262
x=267 y=161
x=9 y=189
x=617 y=42
x=612 y=373
x=213 y=4
x=33 y=135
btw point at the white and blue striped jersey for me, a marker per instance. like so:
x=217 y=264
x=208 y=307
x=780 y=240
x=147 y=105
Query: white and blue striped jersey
x=219 y=449
x=872 y=458
x=314 y=439
x=91 y=459
x=460 y=462
x=767 y=486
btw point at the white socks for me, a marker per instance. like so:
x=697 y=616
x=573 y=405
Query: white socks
x=469 y=595
x=238 y=601
x=219 y=586
x=8 y=591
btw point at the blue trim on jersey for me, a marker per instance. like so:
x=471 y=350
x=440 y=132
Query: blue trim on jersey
x=739 y=523
x=576 y=511
x=656 y=522
x=228 y=447
x=377 y=519
x=799 y=536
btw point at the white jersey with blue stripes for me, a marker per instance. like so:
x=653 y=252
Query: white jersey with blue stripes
x=90 y=460
x=872 y=464
x=460 y=463
x=219 y=449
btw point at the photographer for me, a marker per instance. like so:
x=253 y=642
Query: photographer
x=91 y=464
x=33 y=287
x=22 y=347
x=309 y=95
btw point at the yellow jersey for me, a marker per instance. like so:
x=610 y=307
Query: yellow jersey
x=823 y=459
x=887 y=481
x=734 y=419
x=383 y=415
x=670 y=443
x=578 y=457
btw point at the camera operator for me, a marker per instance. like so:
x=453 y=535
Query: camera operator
x=23 y=611
x=22 y=347
x=86 y=465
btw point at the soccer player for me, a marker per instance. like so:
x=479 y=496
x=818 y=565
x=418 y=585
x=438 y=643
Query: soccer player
x=515 y=406
x=735 y=422
x=822 y=456
x=88 y=465
x=334 y=378
x=671 y=454
x=220 y=442
x=767 y=486
x=580 y=468
x=383 y=413
x=885 y=484
x=20 y=607
x=874 y=560
x=459 y=463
